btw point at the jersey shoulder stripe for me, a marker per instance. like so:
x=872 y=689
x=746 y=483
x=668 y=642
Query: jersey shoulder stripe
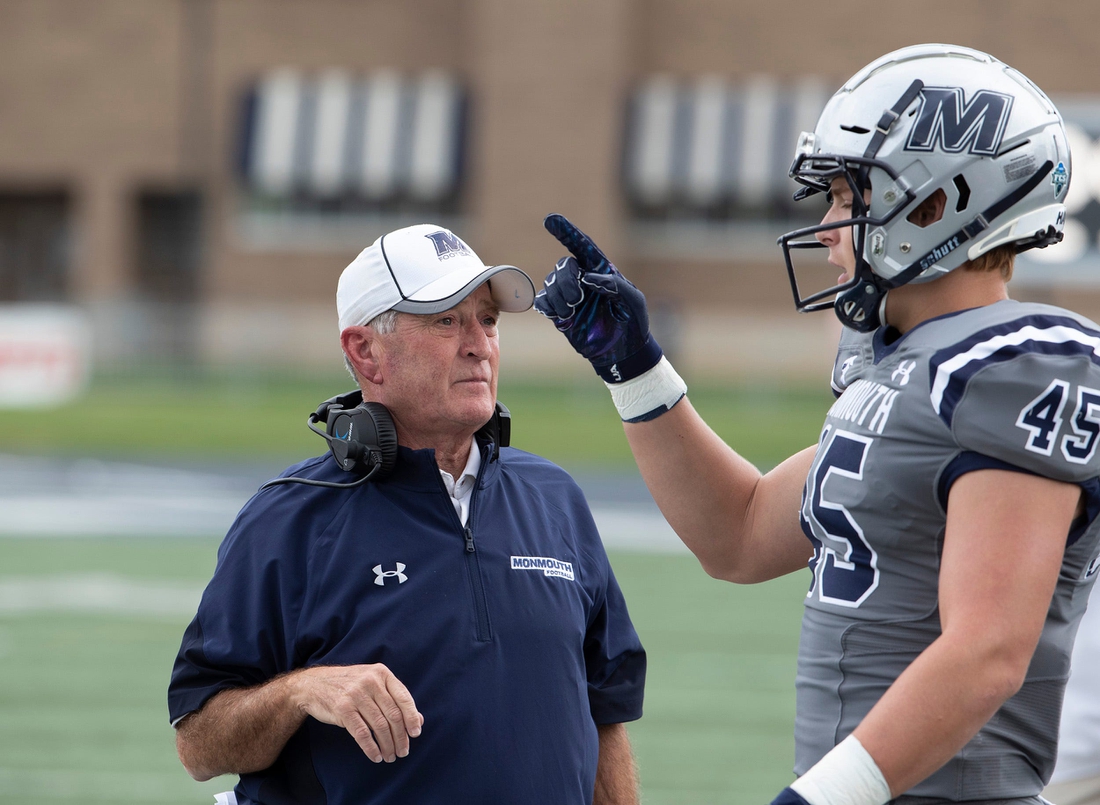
x=951 y=368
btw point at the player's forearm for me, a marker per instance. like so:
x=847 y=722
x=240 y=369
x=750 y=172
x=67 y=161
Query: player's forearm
x=937 y=705
x=741 y=525
x=1000 y=561
x=616 y=775
x=239 y=731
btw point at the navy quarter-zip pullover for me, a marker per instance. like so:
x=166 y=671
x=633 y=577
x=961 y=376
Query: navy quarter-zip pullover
x=511 y=632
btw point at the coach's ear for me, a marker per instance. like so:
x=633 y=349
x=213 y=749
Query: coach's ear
x=363 y=349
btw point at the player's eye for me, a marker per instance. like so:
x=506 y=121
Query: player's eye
x=829 y=197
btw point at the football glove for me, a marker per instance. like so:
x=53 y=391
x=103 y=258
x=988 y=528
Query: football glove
x=598 y=309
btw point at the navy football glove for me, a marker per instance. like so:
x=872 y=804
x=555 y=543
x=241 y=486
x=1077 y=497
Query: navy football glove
x=788 y=796
x=598 y=309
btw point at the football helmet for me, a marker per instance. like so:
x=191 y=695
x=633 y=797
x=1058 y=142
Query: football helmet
x=922 y=119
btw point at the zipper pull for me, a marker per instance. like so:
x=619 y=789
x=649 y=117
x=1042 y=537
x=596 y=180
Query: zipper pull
x=466 y=532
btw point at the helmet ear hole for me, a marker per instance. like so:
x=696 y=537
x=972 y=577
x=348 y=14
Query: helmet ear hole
x=964 y=192
x=930 y=210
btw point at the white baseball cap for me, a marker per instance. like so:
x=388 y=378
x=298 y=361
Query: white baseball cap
x=423 y=269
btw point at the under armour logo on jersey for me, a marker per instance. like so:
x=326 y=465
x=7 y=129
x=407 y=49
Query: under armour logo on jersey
x=844 y=367
x=1094 y=568
x=947 y=121
x=905 y=368
x=447 y=244
x=381 y=575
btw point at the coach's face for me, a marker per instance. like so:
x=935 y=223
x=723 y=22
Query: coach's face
x=437 y=373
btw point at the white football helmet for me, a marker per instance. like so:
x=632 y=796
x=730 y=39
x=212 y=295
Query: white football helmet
x=921 y=119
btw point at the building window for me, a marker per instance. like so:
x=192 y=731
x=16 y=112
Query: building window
x=167 y=265
x=709 y=149
x=34 y=247
x=385 y=142
x=169 y=246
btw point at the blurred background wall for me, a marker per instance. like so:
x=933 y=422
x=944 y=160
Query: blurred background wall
x=193 y=175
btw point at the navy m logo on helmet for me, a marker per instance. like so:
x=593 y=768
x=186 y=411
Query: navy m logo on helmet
x=447 y=244
x=946 y=120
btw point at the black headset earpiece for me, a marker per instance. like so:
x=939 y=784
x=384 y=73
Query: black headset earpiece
x=360 y=435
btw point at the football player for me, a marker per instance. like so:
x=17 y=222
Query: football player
x=948 y=513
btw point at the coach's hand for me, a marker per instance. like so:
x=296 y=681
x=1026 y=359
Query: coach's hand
x=368 y=701
x=598 y=309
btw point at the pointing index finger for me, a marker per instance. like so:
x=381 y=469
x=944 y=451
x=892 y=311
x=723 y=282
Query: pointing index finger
x=588 y=254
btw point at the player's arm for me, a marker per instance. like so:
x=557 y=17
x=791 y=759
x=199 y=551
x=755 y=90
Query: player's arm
x=616 y=774
x=742 y=526
x=1006 y=532
x=243 y=730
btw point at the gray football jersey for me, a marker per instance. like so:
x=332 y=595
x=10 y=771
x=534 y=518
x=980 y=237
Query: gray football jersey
x=1009 y=386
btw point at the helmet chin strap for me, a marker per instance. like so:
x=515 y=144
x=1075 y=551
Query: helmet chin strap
x=862 y=307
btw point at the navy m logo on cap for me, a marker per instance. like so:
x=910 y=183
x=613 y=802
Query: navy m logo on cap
x=946 y=120
x=447 y=244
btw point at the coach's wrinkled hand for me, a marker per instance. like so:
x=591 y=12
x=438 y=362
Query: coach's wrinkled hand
x=368 y=701
x=598 y=309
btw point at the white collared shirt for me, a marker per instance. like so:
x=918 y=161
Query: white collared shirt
x=460 y=492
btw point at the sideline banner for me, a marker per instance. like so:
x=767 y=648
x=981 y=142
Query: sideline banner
x=45 y=355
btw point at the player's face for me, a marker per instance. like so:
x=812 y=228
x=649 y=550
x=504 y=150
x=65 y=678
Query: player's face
x=841 y=251
x=440 y=371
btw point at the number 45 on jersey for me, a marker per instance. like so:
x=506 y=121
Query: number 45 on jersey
x=1042 y=418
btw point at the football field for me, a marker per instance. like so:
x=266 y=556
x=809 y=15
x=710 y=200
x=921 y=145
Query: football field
x=89 y=626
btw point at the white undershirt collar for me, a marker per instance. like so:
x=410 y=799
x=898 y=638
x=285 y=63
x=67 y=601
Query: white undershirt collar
x=460 y=492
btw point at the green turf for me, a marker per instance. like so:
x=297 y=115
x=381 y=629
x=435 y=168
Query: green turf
x=263 y=417
x=82 y=704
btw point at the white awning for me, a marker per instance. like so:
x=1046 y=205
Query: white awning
x=381 y=137
x=708 y=143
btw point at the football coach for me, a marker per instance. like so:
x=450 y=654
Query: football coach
x=447 y=630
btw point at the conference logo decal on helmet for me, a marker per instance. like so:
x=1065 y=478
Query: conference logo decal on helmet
x=945 y=119
x=447 y=244
x=1059 y=178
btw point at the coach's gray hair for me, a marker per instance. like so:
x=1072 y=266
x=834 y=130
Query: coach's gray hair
x=385 y=322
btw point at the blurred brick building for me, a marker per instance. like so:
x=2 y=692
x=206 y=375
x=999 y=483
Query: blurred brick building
x=196 y=173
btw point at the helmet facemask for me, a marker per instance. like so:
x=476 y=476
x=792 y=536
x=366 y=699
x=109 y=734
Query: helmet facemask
x=859 y=299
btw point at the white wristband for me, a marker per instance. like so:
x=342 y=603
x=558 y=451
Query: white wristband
x=847 y=775
x=650 y=394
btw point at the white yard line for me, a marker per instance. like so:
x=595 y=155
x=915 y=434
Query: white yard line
x=97 y=593
x=47 y=497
